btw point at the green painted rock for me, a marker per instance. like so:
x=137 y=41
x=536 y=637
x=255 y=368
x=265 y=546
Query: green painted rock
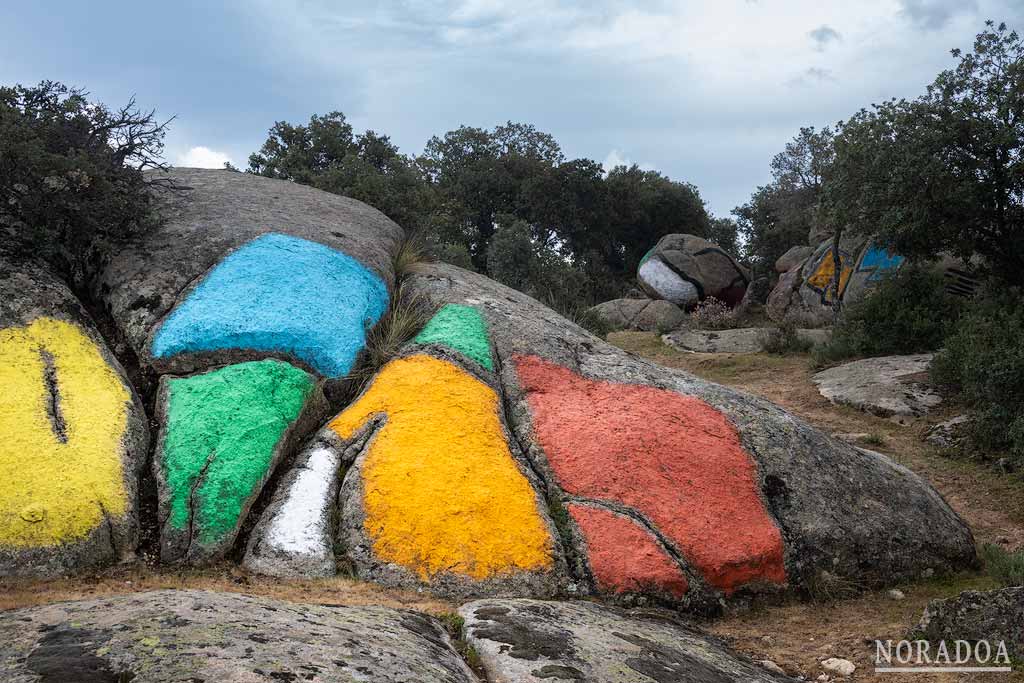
x=222 y=434
x=460 y=328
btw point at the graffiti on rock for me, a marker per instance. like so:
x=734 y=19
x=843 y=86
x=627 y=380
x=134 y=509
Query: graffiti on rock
x=221 y=432
x=821 y=280
x=441 y=490
x=63 y=414
x=281 y=294
x=878 y=261
x=673 y=459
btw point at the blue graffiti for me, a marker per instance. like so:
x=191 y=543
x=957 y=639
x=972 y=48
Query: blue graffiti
x=280 y=294
x=880 y=261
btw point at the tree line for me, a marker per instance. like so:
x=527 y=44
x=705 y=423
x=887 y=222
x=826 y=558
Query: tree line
x=505 y=201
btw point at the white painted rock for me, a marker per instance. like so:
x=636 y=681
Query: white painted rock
x=293 y=536
x=884 y=386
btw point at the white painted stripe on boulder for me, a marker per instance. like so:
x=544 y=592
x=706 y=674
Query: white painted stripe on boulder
x=301 y=525
x=666 y=283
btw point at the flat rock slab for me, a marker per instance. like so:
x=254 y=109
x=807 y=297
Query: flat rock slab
x=530 y=640
x=885 y=386
x=740 y=340
x=209 y=637
x=994 y=616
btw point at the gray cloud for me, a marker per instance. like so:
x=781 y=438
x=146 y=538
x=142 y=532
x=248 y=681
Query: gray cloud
x=932 y=15
x=823 y=35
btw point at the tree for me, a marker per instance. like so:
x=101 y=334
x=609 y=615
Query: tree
x=327 y=154
x=71 y=174
x=725 y=233
x=943 y=172
x=644 y=206
x=785 y=212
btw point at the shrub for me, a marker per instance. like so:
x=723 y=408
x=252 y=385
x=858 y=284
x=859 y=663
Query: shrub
x=1002 y=565
x=71 y=174
x=984 y=360
x=785 y=339
x=908 y=312
x=712 y=314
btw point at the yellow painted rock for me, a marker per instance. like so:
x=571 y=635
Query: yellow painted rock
x=440 y=489
x=71 y=432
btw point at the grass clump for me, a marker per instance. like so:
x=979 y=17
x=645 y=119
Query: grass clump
x=1004 y=566
x=785 y=339
x=712 y=314
x=455 y=625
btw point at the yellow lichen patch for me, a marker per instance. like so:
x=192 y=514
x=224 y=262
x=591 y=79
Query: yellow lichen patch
x=63 y=412
x=441 y=489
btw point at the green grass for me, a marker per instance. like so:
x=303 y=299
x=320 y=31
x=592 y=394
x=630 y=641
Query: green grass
x=1005 y=567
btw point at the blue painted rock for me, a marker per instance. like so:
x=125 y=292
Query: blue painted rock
x=686 y=269
x=73 y=434
x=245 y=268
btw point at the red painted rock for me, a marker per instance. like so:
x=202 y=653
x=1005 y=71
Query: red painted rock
x=624 y=556
x=672 y=459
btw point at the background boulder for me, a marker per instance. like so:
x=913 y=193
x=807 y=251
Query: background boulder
x=74 y=434
x=686 y=269
x=792 y=258
x=645 y=315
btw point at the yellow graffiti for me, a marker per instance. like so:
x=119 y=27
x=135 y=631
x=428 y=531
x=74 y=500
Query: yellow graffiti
x=60 y=456
x=441 y=489
x=822 y=277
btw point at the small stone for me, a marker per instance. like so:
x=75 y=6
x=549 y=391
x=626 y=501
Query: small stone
x=769 y=665
x=837 y=665
x=896 y=594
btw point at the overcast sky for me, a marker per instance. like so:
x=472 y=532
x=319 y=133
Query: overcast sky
x=702 y=91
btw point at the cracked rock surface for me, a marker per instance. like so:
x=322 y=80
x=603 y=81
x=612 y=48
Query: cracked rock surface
x=520 y=641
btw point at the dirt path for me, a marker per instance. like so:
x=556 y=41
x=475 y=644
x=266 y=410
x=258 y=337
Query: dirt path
x=798 y=636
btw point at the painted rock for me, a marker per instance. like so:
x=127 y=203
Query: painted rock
x=295 y=534
x=222 y=434
x=195 y=635
x=246 y=268
x=674 y=487
x=519 y=641
x=686 y=269
x=74 y=434
x=438 y=494
x=646 y=315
